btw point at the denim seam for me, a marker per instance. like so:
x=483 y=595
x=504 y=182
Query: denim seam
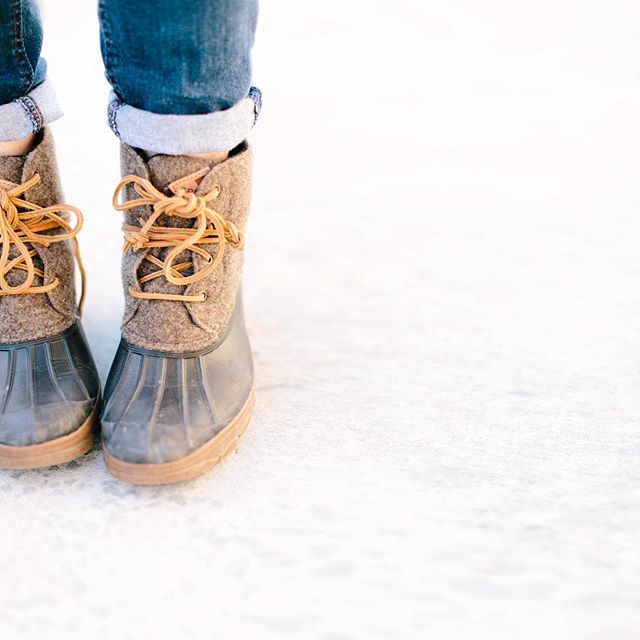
x=256 y=95
x=110 y=57
x=33 y=112
x=112 y=115
x=25 y=69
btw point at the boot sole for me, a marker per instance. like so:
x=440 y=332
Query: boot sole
x=53 y=452
x=195 y=464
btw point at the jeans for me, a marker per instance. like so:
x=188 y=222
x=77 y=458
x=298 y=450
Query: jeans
x=21 y=67
x=180 y=72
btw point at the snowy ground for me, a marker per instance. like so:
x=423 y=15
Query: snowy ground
x=443 y=294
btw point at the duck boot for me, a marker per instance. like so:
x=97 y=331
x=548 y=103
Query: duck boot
x=49 y=386
x=181 y=388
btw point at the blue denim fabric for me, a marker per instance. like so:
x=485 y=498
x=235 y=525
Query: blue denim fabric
x=21 y=67
x=162 y=56
x=177 y=57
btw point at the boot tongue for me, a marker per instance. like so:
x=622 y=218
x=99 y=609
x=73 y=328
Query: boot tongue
x=164 y=170
x=11 y=168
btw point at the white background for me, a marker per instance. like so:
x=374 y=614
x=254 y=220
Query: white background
x=443 y=294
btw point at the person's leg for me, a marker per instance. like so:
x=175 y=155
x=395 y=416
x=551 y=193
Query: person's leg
x=48 y=383
x=180 y=391
x=27 y=101
x=171 y=58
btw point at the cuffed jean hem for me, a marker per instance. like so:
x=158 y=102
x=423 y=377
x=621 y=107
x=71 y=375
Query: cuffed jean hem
x=184 y=134
x=28 y=114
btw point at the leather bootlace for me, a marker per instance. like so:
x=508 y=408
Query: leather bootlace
x=209 y=227
x=24 y=223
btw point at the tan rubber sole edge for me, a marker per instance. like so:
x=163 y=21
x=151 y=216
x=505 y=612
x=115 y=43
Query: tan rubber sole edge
x=195 y=464
x=58 y=451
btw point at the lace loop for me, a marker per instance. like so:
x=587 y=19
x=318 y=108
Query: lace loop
x=209 y=227
x=23 y=223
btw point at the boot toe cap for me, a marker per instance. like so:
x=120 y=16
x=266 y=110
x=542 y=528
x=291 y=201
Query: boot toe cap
x=159 y=409
x=43 y=423
x=48 y=388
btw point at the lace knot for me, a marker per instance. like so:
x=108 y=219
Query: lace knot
x=209 y=227
x=185 y=204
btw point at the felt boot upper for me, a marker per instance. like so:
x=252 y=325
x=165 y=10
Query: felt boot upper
x=185 y=326
x=35 y=316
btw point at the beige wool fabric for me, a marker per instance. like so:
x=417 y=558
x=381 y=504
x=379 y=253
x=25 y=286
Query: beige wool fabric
x=40 y=315
x=175 y=326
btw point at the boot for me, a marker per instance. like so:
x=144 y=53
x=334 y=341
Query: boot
x=49 y=386
x=180 y=391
